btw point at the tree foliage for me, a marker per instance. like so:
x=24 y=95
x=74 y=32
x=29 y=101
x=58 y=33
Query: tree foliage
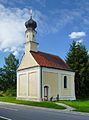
x=8 y=73
x=78 y=60
x=2 y=79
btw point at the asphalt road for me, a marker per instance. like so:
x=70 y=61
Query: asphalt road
x=20 y=112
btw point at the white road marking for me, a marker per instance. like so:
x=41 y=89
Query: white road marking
x=9 y=108
x=5 y=118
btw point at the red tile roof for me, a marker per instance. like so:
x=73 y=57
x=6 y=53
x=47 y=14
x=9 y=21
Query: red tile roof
x=49 y=60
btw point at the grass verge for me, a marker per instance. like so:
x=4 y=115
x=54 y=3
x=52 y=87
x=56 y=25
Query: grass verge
x=80 y=105
x=30 y=103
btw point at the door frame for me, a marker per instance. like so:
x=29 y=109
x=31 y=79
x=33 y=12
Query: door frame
x=48 y=92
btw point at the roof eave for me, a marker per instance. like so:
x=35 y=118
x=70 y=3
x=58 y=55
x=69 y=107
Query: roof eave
x=58 y=68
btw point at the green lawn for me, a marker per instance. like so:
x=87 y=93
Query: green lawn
x=30 y=103
x=80 y=105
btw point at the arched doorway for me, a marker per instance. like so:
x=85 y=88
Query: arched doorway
x=46 y=92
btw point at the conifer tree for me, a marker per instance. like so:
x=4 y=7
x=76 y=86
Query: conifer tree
x=10 y=67
x=78 y=60
x=2 y=79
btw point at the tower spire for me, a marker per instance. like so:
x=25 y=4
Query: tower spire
x=30 y=24
x=31 y=44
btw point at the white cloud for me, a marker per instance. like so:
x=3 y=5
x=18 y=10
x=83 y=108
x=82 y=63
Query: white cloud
x=12 y=28
x=88 y=52
x=77 y=35
x=14 y=50
x=6 y=50
x=16 y=53
x=80 y=41
x=59 y=17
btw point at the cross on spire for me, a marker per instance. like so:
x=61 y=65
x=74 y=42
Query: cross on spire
x=30 y=12
x=30 y=24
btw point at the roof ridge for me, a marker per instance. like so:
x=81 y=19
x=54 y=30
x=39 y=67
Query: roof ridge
x=48 y=53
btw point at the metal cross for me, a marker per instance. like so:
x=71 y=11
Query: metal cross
x=30 y=13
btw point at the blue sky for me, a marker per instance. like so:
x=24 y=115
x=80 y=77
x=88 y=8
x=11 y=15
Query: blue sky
x=59 y=23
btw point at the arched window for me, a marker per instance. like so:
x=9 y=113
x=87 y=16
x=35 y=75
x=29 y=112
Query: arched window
x=65 y=81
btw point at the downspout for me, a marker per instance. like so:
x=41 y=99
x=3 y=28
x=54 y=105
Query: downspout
x=41 y=81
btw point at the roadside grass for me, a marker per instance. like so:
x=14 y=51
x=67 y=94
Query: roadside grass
x=81 y=105
x=45 y=104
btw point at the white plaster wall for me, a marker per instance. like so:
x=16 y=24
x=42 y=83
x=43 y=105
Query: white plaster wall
x=32 y=95
x=27 y=61
x=64 y=94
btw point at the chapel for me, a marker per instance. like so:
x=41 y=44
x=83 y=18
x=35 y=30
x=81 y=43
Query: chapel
x=43 y=76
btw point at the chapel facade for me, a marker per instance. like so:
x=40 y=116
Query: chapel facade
x=43 y=76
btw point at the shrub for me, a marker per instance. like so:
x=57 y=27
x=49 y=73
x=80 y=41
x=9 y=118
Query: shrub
x=10 y=92
x=1 y=93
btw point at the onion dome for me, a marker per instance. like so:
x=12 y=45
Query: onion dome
x=31 y=24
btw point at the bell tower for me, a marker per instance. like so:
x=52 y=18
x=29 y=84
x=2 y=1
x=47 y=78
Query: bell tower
x=31 y=44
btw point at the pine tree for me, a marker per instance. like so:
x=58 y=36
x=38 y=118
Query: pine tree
x=78 y=60
x=10 y=67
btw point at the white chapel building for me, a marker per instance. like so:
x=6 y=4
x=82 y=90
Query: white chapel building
x=43 y=76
